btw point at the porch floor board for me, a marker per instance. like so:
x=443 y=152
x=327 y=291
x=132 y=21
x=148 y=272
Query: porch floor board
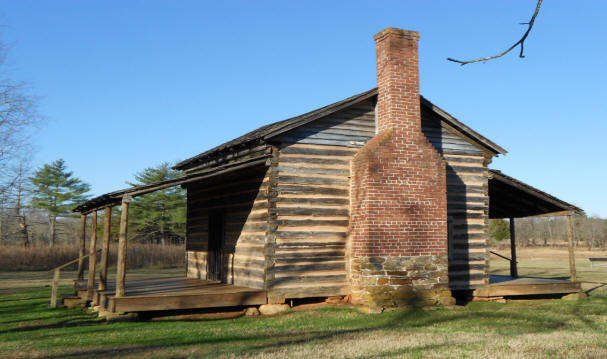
x=504 y=286
x=173 y=293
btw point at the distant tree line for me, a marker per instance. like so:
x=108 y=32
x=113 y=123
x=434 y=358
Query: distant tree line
x=36 y=207
x=588 y=231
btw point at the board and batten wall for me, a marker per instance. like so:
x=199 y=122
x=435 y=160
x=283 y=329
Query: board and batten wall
x=312 y=203
x=242 y=198
x=467 y=202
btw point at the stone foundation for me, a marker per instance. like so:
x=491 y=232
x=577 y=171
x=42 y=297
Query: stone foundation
x=390 y=282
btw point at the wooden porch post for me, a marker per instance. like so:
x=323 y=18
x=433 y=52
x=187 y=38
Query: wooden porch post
x=90 y=284
x=121 y=262
x=571 y=249
x=513 y=264
x=105 y=248
x=82 y=246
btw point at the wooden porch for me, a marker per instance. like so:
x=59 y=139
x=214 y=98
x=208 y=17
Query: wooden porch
x=173 y=293
x=506 y=286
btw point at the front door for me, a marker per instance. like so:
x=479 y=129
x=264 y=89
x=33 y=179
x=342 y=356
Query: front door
x=214 y=259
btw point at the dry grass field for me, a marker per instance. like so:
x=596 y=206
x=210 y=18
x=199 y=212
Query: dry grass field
x=41 y=257
x=554 y=262
x=550 y=328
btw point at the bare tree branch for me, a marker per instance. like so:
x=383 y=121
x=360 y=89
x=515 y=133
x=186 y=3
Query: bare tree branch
x=520 y=42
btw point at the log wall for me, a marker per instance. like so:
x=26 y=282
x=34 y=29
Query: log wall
x=312 y=212
x=242 y=198
x=467 y=203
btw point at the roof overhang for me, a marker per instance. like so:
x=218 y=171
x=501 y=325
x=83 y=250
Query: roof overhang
x=114 y=198
x=511 y=198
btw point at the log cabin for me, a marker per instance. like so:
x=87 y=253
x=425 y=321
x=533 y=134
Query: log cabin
x=383 y=197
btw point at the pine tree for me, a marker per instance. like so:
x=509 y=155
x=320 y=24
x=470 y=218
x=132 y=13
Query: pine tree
x=57 y=191
x=499 y=229
x=159 y=216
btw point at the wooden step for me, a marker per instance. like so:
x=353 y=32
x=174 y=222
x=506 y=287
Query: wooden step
x=71 y=301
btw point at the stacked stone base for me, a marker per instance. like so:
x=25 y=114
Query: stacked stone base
x=393 y=282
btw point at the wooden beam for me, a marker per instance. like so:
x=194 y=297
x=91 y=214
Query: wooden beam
x=92 y=258
x=82 y=246
x=121 y=262
x=513 y=266
x=105 y=248
x=551 y=214
x=571 y=249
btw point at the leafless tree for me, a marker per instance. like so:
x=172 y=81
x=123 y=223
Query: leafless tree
x=18 y=117
x=520 y=42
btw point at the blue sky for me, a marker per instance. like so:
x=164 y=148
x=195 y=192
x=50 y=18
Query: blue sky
x=125 y=85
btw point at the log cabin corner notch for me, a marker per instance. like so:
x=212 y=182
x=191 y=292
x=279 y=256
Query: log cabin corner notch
x=356 y=198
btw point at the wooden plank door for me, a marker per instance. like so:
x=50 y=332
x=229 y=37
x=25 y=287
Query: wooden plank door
x=216 y=239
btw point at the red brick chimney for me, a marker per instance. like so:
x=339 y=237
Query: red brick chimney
x=398 y=219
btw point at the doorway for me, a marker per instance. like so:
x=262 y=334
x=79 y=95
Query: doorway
x=215 y=252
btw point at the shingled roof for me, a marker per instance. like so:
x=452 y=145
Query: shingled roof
x=267 y=132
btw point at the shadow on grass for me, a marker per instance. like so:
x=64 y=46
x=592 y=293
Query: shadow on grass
x=256 y=335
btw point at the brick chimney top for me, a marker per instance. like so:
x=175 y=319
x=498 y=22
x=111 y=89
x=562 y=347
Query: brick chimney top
x=393 y=31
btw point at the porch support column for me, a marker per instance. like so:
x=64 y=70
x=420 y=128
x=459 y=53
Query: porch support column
x=121 y=263
x=90 y=284
x=571 y=249
x=513 y=264
x=82 y=246
x=105 y=248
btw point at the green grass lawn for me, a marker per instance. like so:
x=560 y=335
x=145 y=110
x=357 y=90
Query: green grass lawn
x=519 y=329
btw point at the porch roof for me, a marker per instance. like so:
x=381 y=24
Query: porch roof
x=511 y=198
x=114 y=198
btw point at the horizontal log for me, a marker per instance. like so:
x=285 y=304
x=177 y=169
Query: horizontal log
x=311 y=245
x=293 y=211
x=312 y=180
x=313 y=201
x=466 y=267
x=308 y=279
x=302 y=268
x=461 y=197
x=466 y=215
x=465 y=159
x=254 y=284
x=300 y=189
x=303 y=255
x=311 y=223
x=470 y=236
x=337 y=161
x=253 y=262
x=470 y=245
x=467 y=206
x=249 y=273
x=251 y=251
x=466 y=276
x=462 y=188
x=466 y=169
x=313 y=171
x=311 y=234
x=470 y=227
x=317 y=151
